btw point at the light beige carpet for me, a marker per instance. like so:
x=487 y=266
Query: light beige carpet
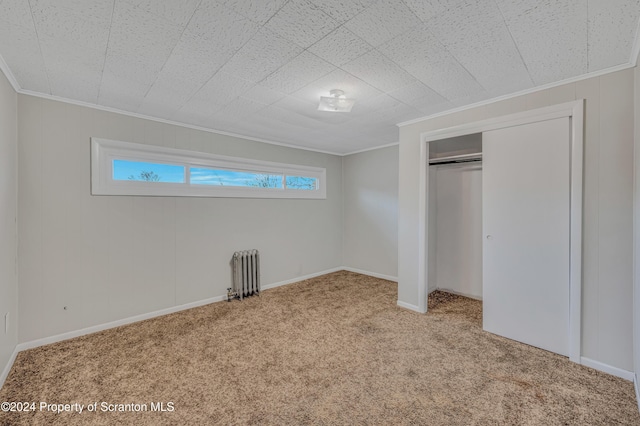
x=334 y=350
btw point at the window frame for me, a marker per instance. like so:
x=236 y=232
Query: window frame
x=104 y=151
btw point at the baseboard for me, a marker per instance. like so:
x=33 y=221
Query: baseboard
x=459 y=293
x=410 y=307
x=371 y=274
x=635 y=386
x=130 y=320
x=302 y=278
x=605 y=368
x=7 y=368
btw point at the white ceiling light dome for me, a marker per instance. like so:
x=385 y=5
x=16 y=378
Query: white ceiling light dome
x=336 y=102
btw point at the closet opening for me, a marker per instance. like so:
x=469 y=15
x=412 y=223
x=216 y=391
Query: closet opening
x=528 y=269
x=455 y=218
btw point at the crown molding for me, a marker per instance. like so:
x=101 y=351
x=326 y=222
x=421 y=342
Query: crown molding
x=371 y=149
x=165 y=121
x=16 y=86
x=7 y=73
x=635 y=49
x=631 y=64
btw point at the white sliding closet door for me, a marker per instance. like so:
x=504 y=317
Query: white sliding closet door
x=526 y=227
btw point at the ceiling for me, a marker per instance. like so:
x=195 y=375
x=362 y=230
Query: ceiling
x=257 y=68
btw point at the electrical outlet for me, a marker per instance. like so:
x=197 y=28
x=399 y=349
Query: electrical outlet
x=6 y=323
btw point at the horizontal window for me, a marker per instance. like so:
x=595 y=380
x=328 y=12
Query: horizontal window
x=123 y=168
x=147 y=172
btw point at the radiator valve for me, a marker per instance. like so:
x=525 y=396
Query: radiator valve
x=231 y=294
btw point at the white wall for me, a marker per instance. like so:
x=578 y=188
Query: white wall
x=8 y=241
x=458 y=229
x=111 y=257
x=607 y=221
x=370 y=185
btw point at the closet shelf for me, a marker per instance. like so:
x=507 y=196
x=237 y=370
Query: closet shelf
x=463 y=158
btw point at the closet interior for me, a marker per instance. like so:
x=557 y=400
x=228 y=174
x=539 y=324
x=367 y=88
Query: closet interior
x=455 y=215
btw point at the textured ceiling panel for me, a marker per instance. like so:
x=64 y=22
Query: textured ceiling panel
x=471 y=98
x=302 y=23
x=129 y=66
x=475 y=34
x=301 y=71
x=383 y=21
x=223 y=88
x=259 y=11
x=552 y=40
x=241 y=107
x=418 y=96
x=394 y=115
x=611 y=32
x=263 y=95
x=380 y=72
x=262 y=55
x=428 y=9
x=66 y=58
x=343 y=10
x=29 y=73
x=70 y=87
x=176 y=12
x=74 y=72
x=420 y=53
x=197 y=111
x=16 y=12
x=224 y=29
x=194 y=59
x=286 y=111
x=373 y=131
x=20 y=48
x=259 y=67
x=84 y=23
x=295 y=105
x=139 y=44
x=340 y=47
x=119 y=92
x=168 y=94
x=143 y=34
x=330 y=118
x=378 y=103
x=429 y=109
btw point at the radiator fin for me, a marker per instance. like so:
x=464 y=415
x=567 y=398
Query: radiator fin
x=246 y=273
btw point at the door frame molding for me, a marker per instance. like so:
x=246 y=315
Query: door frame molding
x=575 y=111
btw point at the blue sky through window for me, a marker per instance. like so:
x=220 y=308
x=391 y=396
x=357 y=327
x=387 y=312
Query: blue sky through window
x=221 y=177
x=301 y=182
x=169 y=173
x=143 y=171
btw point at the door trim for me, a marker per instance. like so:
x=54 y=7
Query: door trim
x=575 y=111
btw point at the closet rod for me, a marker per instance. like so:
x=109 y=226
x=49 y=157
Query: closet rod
x=463 y=158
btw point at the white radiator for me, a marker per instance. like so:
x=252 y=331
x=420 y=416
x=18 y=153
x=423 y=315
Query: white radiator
x=246 y=273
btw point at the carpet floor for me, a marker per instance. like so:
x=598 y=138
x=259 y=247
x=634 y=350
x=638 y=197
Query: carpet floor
x=333 y=350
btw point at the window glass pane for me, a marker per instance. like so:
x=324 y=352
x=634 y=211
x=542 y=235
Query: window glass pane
x=302 y=182
x=222 y=177
x=148 y=172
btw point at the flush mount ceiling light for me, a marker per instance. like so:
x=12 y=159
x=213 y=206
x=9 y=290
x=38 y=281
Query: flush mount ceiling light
x=337 y=102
